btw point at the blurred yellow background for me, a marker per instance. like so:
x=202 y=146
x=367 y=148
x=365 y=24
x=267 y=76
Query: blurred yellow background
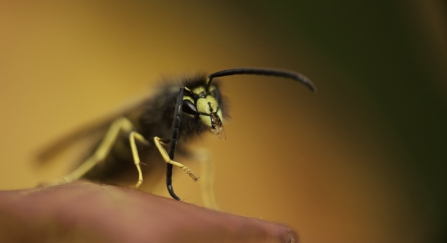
x=362 y=160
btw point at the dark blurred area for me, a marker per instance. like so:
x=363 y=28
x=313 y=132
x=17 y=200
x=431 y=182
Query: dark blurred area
x=362 y=160
x=394 y=53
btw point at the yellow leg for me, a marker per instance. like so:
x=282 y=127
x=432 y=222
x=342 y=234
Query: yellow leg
x=120 y=124
x=165 y=156
x=136 y=158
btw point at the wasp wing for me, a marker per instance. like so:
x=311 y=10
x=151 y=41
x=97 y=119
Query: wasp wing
x=87 y=136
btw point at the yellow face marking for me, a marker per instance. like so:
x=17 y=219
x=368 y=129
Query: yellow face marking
x=211 y=88
x=199 y=90
x=219 y=114
x=188 y=98
x=205 y=105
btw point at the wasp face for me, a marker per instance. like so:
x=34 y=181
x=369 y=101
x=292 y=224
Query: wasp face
x=205 y=104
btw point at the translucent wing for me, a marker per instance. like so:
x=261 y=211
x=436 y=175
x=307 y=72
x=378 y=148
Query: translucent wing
x=86 y=137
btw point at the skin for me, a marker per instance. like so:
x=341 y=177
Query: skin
x=86 y=212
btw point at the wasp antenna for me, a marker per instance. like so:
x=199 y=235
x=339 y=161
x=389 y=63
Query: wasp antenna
x=262 y=71
x=169 y=184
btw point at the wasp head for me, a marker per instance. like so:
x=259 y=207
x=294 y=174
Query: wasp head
x=204 y=103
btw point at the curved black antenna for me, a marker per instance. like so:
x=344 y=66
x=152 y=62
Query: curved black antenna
x=262 y=71
x=173 y=143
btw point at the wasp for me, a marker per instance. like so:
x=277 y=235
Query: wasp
x=177 y=113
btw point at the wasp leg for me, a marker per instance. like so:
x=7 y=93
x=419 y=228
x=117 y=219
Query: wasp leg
x=165 y=156
x=121 y=124
x=203 y=156
x=136 y=158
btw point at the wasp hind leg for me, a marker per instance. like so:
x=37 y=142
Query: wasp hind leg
x=203 y=156
x=165 y=156
x=121 y=124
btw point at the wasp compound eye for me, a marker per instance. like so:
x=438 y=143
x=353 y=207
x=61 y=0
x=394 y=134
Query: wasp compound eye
x=189 y=108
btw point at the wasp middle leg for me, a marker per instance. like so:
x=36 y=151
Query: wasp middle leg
x=120 y=125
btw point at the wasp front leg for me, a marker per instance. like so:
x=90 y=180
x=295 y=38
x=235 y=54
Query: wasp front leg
x=165 y=156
